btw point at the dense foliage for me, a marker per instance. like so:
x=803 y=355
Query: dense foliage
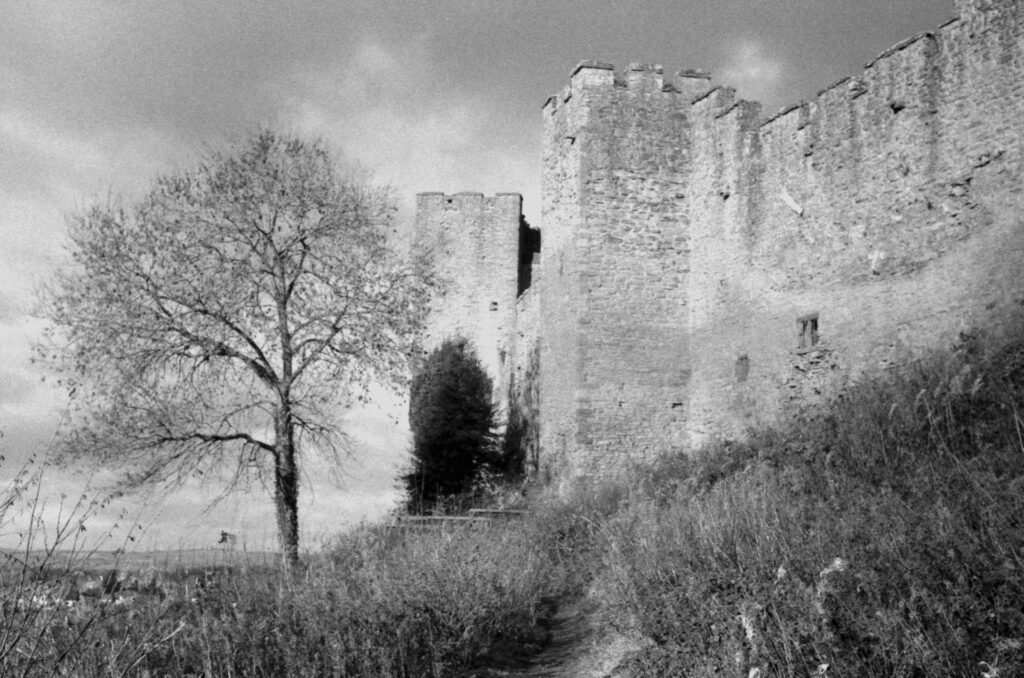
x=452 y=420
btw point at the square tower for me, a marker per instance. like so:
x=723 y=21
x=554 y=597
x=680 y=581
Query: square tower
x=474 y=243
x=614 y=351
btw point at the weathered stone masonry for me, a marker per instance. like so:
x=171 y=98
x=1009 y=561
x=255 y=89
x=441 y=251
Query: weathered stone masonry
x=483 y=254
x=704 y=269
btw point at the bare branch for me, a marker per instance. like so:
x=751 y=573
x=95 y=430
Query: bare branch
x=210 y=438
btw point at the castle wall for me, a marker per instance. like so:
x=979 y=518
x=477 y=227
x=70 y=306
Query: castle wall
x=524 y=382
x=890 y=206
x=558 y=284
x=703 y=270
x=616 y=263
x=474 y=241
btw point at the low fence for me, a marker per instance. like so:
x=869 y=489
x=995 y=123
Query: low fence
x=438 y=523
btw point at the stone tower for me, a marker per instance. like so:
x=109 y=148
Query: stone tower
x=705 y=270
x=614 y=352
x=483 y=253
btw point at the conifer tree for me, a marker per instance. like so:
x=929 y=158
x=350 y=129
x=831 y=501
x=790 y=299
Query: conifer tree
x=452 y=420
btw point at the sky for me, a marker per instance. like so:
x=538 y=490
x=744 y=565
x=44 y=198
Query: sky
x=99 y=98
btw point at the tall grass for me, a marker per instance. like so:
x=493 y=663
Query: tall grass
x=882 y=537
x=39 y=632
x=377 y=602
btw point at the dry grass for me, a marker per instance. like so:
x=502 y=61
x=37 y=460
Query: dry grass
x=377 y=602
x=882 y=538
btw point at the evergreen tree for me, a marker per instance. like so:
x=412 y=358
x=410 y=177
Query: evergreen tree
x=452 y=420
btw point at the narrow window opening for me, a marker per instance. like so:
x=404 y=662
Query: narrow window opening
x=742 y=368
x=808 y=327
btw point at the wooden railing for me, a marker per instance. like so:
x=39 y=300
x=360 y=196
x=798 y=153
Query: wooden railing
x=473 y=517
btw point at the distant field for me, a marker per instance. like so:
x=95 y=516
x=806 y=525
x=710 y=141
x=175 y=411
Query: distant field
x=142 y=560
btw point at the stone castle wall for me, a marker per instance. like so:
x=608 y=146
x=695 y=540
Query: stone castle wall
x=890 y=206
x=617 y=153
x=704 y=270
x=474 y=243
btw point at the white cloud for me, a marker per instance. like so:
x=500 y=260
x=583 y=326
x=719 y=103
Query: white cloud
x=371 y=56
x=754 y=74
x=28 y=406
x=51 y=171
x=70 y=164
x=445 y=143
x=52 y=143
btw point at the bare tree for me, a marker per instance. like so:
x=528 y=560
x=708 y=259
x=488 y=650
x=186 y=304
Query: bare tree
x=225 y=319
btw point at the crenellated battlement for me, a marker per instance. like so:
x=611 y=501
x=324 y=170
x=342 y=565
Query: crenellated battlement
x=713 y=102
x=707 y=267
x=643 y=77
x=464 y=199
x=747 y=112
x=694 y=87
x=595 y=76
x=900 y=46
x=690 y=84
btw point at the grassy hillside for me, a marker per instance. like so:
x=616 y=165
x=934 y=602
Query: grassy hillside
x=882 y=537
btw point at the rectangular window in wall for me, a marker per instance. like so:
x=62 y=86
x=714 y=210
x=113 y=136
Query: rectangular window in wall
x=808 y=328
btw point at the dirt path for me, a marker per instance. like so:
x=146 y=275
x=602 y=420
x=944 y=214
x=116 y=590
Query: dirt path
x=575 y=647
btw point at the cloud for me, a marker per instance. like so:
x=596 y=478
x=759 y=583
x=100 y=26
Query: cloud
x=8 y=313
x=446 y=142
x=753 y=73
x=23 y=398
x=14 y=387
x=21 y=128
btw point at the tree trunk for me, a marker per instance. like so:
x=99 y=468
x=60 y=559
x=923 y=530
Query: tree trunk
x=286 y=489
x=286 y=473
